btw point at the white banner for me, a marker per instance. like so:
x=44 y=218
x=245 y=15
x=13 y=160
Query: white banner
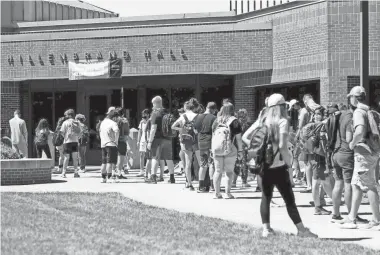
x=80 y=71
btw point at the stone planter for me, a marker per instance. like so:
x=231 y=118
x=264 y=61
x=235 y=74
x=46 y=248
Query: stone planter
x=25 y=171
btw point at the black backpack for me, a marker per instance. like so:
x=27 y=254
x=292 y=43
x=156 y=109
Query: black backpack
x=167 y=122
x=58 y=137
x=332 y=129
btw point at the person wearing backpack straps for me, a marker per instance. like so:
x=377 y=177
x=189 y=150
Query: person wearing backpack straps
x=185 y=126
x=339 y=130
x=71 y=131
x=82 y=142
x=226 y=147
x=365 y=143
x=42 y=137
x=276 y=174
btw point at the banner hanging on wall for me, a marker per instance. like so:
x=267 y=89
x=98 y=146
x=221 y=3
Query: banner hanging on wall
x=95 y=70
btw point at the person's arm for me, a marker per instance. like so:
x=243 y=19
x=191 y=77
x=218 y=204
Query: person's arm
x=359 y=129
x=349 y=133
x=239 y=142
x=153 y=129
x=116 y=130
x=139 y=133
x=283 y=143
x=177 y=124
x=246 y=138
x=24 y=132
x=301 y=123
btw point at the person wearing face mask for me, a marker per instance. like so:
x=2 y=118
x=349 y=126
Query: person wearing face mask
x=365 y=162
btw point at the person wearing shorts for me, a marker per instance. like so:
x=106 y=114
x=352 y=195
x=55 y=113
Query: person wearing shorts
x=109 y=137
x=123 y=126
x=203 y=128
x=188 y=149
x=343 y=164
x=70 y=142
x=159 y=146
x=365 y=163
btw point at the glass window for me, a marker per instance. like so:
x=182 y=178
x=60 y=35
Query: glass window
x=64 y=101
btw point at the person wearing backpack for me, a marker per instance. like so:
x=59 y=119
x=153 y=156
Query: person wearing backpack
x=226 y=147
x=366 y=146
x=71 y=131
x=271 y=142
x=160 y=140
x=186 y=127
x=58 y=135
x=41 y=138
x=83 y=139
x=122 y=147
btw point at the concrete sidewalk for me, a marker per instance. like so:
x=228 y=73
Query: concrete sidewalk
x=244 y=209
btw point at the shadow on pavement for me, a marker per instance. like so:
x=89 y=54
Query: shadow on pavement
x=347 y=239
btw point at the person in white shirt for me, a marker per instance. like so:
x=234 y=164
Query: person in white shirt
x=71 y=131
x=109 y=136
x=19 y=134
x=142 y=143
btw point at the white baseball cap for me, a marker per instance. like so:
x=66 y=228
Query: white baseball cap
x=112 y=108
x=276 y=99
x=357 y=91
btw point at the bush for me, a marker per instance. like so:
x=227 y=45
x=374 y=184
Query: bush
x=7 y=152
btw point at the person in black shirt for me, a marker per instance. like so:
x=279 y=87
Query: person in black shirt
x=203 y=128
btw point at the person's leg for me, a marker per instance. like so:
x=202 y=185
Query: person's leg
x=203 y=166
x=266 y=198
x=219 y=165
x=103 y=167
x=357 y=195
x=229 y=164
x=142 y=161
x=284 y=186
x=39 y=151
x=75 y=161
x=162 y=169
x=170 y=165
x=148 y=168
x=46 y=149
x=308 y=172
x=188 y=161
x=182 y=160
x=211 y=170
x=327 y=186
x=156 y=156
x=336 y=196
x=373 y=198
x=61 y=158
x=66 y=158
x=234 y=179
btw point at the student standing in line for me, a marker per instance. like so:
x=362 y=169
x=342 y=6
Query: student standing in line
x=227 y=147
x=277 y=174
x=19 y=134
x=42 y=137
x=142 y=140
x=82 y=141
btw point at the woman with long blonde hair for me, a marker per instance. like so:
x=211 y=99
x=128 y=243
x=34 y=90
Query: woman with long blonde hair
x=276 y=175
x=225 y=163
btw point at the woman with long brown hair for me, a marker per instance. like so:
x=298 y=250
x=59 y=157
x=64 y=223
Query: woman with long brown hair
x=42 y=137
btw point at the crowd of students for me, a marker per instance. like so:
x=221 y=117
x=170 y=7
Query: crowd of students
x=338 y=145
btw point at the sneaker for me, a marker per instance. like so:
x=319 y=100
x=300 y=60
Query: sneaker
x=246 y=185
x=161 y=179
x=63 y=175
x=305 y=191
x=191 y=188
x=57 y=171
x=120 y=177
x=306 y=233
x=321 y=211
x=82 y=171
x=229 y=196
x=171 y=180
x=233 y=185
x=348 y=224
x=152 y=179
x=126 y=171
x=336 y=219
x=166 y=171
x=268 y=232
x=104 y=180
x=218 y=196
x=212 y=189
x=76 y=175
x=202 y=190
x=187 y=185
x=258 y=189
x=361 y=220
x=371 y=226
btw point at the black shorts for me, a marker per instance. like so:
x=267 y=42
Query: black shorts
x=69 y=148
x=162 y=149
x=318 y=164
x=109 y=155
x=122 y=148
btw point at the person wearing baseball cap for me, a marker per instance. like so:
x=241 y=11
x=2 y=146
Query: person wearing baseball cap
x=365 y=163
x=276 y=174
x=112 y=108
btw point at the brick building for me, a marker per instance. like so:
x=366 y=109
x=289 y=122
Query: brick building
x=294 y=48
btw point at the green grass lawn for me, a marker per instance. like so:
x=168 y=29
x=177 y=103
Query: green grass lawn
x=84 y=223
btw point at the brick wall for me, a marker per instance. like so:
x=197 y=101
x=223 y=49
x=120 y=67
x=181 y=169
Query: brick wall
x=204 y=52
x=25 y=171
x=10 y=101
